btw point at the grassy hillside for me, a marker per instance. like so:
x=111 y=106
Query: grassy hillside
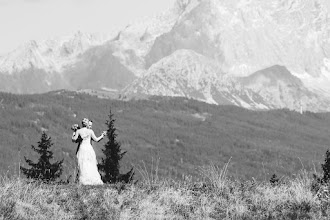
x=178 y=133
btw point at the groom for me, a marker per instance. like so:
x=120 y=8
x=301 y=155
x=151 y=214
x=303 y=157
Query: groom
x=74 y=128
x=89 y=126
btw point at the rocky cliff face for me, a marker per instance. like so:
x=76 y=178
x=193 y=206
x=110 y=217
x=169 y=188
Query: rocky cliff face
x=190 y=74
x=251 y=43
x=253 y=53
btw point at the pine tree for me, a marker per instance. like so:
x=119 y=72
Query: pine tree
x=43 y=170
x=109 y=168
x=326 y=167
x=274 y=180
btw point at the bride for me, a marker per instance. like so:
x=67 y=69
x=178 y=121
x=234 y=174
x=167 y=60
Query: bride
x=87 y=164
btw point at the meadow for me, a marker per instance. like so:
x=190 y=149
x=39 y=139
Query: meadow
x=216 y=197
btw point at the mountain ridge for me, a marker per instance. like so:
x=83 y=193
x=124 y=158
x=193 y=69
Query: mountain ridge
x=236 y=39
x=51 y=55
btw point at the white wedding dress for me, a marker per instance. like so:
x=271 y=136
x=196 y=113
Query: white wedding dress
x=87 y=163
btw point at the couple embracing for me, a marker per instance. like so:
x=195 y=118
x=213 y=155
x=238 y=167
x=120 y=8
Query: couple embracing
x=87 y=163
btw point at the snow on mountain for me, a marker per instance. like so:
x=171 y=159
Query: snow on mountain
x=281 y=89
x=51 y=55
x=133 y=43
x=253 y=53
x=57 y=55
x=98 y=68
x=245 y=36
x=189 y=74
x=83 y=61
x=179 y=74
x=192 y=75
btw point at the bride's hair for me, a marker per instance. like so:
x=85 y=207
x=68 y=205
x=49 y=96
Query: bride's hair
x=90 y=124
x=84 y=122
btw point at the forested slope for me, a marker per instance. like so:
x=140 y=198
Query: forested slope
x=182 y=134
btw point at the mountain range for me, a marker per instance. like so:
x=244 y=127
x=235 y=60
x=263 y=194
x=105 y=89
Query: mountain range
x=249 y=53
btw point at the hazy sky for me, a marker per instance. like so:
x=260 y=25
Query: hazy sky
x=24 y=20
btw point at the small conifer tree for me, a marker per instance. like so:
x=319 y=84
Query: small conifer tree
x=43 y=170
x=274 y=180
x=326 y=167
x=109 y=168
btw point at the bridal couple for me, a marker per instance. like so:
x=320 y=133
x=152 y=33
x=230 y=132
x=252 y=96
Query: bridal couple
x=87 y=163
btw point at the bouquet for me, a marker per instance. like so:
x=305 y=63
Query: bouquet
x=75 y=127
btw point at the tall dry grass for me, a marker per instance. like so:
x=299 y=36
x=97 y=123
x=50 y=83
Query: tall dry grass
x=216 y=197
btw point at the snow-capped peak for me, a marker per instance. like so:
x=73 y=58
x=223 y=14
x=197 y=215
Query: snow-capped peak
x=51 y=55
